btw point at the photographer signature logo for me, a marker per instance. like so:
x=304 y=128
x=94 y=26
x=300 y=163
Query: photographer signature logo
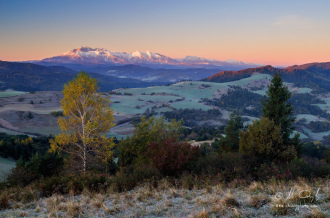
x=306 y=198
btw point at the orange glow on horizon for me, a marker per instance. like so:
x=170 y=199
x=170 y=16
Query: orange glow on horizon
x=275 y=57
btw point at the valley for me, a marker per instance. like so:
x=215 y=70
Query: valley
x=164 y=109
x=30 y=112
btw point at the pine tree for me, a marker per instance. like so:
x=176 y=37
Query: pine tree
x=231 y=141
x=263 y=140
x=277 y=108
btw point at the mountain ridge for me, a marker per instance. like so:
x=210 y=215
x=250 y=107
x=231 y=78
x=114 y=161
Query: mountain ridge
x=316 y=75
x=96 y=56
x=33 y=77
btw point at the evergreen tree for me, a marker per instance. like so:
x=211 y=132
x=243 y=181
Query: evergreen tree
x=277 y=108
x=231 y=141
x=263 y=140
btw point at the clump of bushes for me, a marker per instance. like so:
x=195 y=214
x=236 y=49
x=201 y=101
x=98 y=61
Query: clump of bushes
x=172 y=157
x=57 y=113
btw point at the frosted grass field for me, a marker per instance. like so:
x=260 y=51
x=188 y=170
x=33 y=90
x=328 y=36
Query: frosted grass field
x=130 y=105
x=309 y=118
x=251 y=120
x=9 y=132
x=317 y=136
x=326 y=106
x=10 y=93
x=30 y=107
x=44 y=130
x=162 y=109
x=159 y=98
x=297 y=90
x=118 y=136
x=190 y=105
x=194 y=89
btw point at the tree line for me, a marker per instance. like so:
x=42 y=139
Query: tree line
x=158 y=148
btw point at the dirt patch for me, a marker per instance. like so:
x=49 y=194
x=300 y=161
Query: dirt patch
x=257 y=84
x=25 y=119
x=37 y=99
x=123 y=129
x=219 y=93
x=199 y=143
x=7 y=125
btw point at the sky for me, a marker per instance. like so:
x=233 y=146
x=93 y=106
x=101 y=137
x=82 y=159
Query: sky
x=281 y=32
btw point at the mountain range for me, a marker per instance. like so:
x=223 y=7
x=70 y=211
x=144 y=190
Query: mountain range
x=33 y=77
x=313 y=75
x=101 y=56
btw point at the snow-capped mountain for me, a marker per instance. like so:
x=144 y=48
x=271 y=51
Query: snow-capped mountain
x=87 y=55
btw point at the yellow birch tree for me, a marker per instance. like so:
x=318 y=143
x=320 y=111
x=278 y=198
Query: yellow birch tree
x=86 y=116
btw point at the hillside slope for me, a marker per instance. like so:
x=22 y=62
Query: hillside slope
x=33 y=77
x=313 y=75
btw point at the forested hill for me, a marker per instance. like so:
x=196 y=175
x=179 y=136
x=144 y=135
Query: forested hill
x=313 y=75
x=33 y=77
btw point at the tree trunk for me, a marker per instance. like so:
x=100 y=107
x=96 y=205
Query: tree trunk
x=84 y=161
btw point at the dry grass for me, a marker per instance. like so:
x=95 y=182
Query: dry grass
x=327 y=198
x=38 y=209
x=229 y=201
x=202 y=214
x=316 y=213
x=23 y=214
x=218 y=209
x=280 y=207
x=73 y=208
x=98 y=201
x=252 y=200
x=174 y=193
x=257 y=201
x=4 y=201
x=255 y=187
x=236 y=213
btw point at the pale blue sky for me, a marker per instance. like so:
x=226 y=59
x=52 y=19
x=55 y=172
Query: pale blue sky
x=270 y=32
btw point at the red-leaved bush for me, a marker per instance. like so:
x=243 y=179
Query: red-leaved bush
x=171 y=157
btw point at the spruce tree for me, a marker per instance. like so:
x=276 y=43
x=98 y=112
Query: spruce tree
x=231 y=141
x=276 y=107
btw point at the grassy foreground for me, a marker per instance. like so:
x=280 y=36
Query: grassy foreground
x=301 y=198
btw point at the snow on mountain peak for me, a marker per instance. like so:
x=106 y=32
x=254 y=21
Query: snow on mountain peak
x=85 y=54
x=136 y=54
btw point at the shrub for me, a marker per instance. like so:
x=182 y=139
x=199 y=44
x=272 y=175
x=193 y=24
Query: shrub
x=133 y=150
x=326 y=155
x=209 y=164
x=57 y=113
x=230 y=201
x=231 y=141
x=74 y=183
x=264 y=139
x=38 y=166
x=171 y=157
x=130 y=176
x=4 y=201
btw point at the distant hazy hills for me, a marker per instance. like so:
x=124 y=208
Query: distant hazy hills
x=149 y=74
x=101 y=56
x=314 y=75
x=32 y=77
